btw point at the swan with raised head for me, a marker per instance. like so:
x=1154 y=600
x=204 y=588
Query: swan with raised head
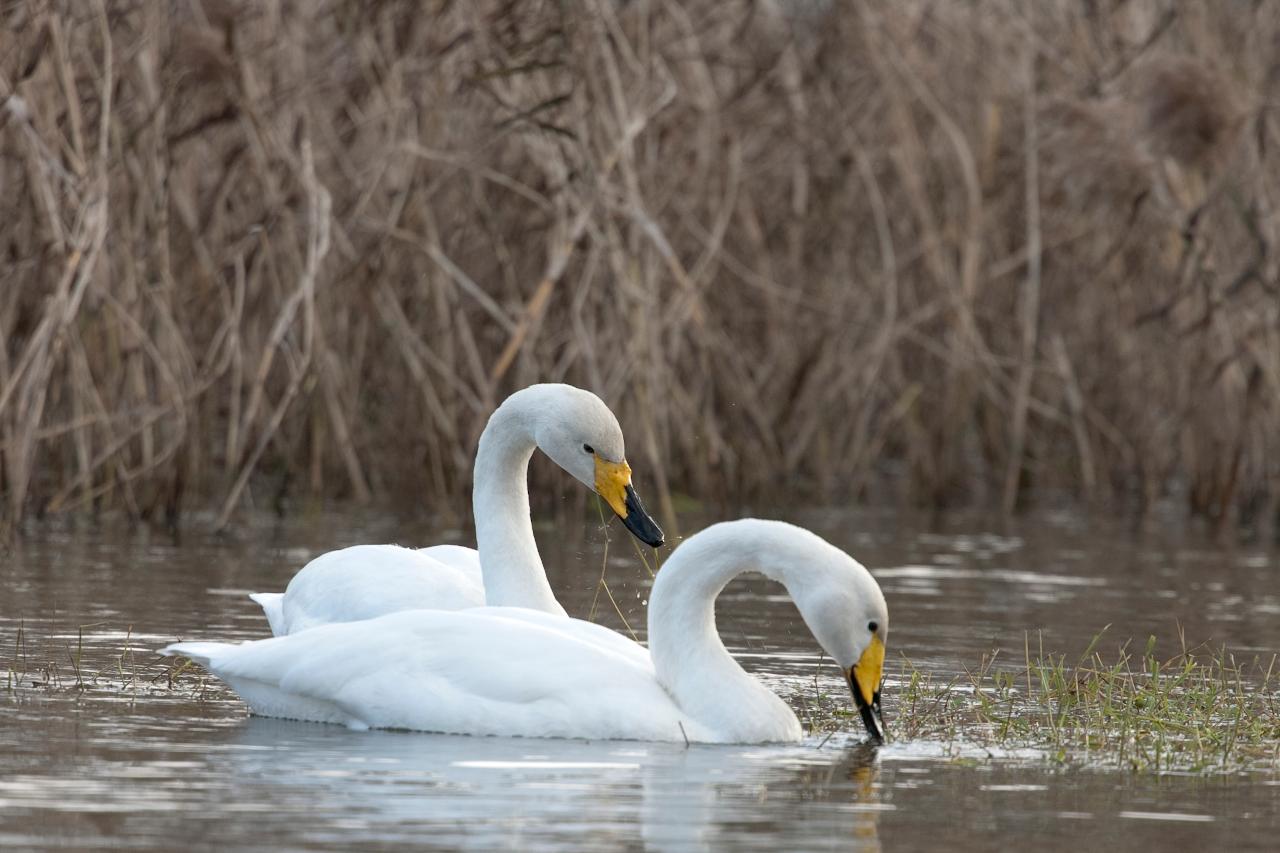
x=513 y=671
x=572 y=426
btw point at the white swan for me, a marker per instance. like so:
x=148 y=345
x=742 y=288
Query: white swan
x=513 y=671
x=572 y=426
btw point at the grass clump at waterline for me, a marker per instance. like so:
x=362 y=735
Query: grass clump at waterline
x=60 y=664
x=1201 y=710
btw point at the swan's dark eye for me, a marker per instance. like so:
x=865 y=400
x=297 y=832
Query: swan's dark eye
x=588 y=448
x=872 y=627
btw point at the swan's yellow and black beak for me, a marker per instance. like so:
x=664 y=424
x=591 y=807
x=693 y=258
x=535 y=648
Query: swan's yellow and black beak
x=613 y=483
x=864 y=683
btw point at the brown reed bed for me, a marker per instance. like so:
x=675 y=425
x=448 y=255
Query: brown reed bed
x=938 y=253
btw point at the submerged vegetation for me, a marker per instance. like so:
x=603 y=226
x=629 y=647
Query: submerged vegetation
x=255 y=252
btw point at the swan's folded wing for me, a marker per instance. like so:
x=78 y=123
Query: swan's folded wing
x=368 y=581
x=465 y=560
x=605 y=639
x=490 y=671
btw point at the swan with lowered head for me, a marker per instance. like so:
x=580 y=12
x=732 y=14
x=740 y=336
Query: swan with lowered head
x=573 y=427
x=513 y=671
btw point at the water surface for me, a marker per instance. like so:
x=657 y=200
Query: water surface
x=151 y=768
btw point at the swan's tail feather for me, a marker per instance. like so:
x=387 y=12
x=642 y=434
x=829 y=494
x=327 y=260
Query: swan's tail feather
x=256 y=682
x=272 y=604
x=201 y=653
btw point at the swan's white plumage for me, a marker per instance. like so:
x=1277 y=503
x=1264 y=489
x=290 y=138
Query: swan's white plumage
x=272 y=604
x=531 y=674
x=365 y=581
x=514 y=671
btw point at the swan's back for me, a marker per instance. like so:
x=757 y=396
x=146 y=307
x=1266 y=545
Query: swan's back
x=367 y=581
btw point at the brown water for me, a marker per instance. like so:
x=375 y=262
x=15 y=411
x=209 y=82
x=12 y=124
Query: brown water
x=156 y=769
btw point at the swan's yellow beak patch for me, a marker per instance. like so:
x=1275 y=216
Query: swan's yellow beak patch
x=869 y=668
x=613 y=483
x=612 y=479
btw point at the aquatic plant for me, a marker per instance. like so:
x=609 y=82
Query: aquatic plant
x=1200 y=710
x=946 y=252
x=54 y=663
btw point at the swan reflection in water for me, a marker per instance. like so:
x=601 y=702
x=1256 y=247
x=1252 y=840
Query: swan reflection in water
x=393 y=787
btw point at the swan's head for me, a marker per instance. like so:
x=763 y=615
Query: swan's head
x=577 y=430
x=844 y=608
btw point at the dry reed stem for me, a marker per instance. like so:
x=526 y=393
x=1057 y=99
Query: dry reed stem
x=1029 y=299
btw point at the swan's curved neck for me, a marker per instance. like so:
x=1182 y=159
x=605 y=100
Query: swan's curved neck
x=509 y=562
x=689 y=658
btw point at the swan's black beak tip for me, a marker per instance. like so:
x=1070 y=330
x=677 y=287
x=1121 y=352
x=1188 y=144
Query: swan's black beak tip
x=639 y=522
x=873 y=719
x=871 y=713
